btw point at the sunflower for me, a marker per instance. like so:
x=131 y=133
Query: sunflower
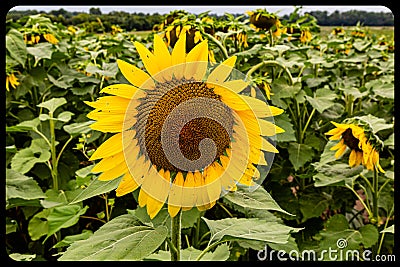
x=50 y=38
x=359 y=139
x=12 y=80
x=182 y=136
x=305 y=36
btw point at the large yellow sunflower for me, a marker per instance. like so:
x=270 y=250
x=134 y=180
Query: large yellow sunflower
x=354 y=137
x=183 y=134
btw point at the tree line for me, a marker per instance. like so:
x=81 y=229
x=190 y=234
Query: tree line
x=141 y=21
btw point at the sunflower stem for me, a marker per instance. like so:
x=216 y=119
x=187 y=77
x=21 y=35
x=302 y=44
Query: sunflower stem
x=220 y=45
x=54 y=162
x=375 y=196
x=176 y=236
x=271 y=63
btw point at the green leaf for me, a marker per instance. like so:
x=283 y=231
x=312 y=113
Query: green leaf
x=189 y=217
x=389 y=141
x=354 y=91
x=64 y=217
x=377 y=124
x=52 y=104
x=299 y=154
x=249 y=229
x=65 y=116
x=370 y=235
x=26 y=158
x=21 y=186
x=284 y=122
x=390 y=229
x=16 y=47
x=315 y=82
x=78 y=128
x=24 y=126
x=161 y=219
x=122 y=238
x=59 y=82
x=22 y=257
x=68 y=240
x=38 y=226
x=336 y=174
x=221 y=253
x=337 y=222
x=323 y=99
x=96 y=188
x=41 y=51
x=258 y=199
x=313 y=205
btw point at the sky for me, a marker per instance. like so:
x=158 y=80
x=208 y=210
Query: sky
x=215 y=9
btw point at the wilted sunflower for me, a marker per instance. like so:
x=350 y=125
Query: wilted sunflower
x=164 y=121
x=262 y=19
x=12 y=80
x=50 y=38
x=358 y=137
x=305 y=36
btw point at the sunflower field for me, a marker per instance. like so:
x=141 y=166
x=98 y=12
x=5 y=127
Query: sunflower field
x=80 y=187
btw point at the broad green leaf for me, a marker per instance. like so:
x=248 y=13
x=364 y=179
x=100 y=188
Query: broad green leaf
x=78 y=128
x=259 y=199
x=249 y=52
x=52 y=104
x=41 y=51
x=61 y=83
x=370 y=235
x=87 y=89
x=11 y=226
x=390 y=229
x=335 y=174
x=122 y=238
x=221 y=253
x=38 y=226
x=64 y=217
x=284 y=122
x=249 y=229
x=354 y=91
x=327 y=155
x=189 y=217
x=386 y=90
x=161 y=219
x=323 y=99
x=68 y=240
x=96 y=188
x=337 y=222
x=299 y=154
x=16 y=47
x=21 y=186
x=313 y=205
x=24 y=126
x=377 y=124
x=65 y=116
x=389 y=141
x=361 y=45
x=54 y=198
x=22 y=257
x=315 y=82
x=26 y=158
x=282 y=89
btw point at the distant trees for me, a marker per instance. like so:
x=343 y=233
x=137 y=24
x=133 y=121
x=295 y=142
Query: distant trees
x=140 y=21
x=352 y=17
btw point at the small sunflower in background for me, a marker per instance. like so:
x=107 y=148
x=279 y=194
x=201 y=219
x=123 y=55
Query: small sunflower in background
x=175 y=87
x=338 y=31
x=357 y=136
x=305 y=35
x=12 y=80
x=260 y=19
x=116 y=29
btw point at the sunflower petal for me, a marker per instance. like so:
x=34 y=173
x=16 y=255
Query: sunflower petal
x=134 y=75
x=197 y=62
x=175 y=195
x=149 y=60
x=222 y=71
x=126 y=186
x=179 y=57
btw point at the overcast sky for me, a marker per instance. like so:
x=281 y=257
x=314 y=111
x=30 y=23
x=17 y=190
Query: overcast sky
x=220 y=10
